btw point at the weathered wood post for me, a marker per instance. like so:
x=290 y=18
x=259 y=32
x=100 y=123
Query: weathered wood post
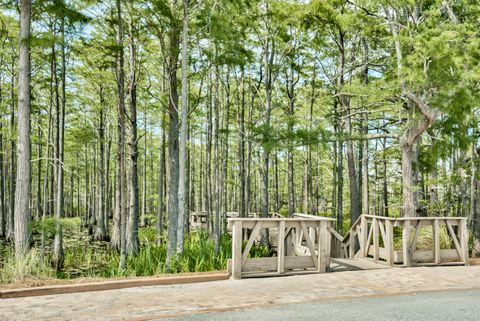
x=281 y=247
x=351 y=244
x=323 y=244
x=328 y=225
x=436 y=240
x=406 y=243
x=237 y=249
x=376 y=240
x=463 y=235
x=363 y=236
x=389 y=242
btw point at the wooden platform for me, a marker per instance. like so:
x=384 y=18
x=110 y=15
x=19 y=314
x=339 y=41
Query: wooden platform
x=340 y=265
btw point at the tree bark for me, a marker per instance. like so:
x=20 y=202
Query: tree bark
x=3 y=216
x=173 y=142
x=133 y=244
x=269 y=59
x=59 y=209
x=161 y=183
x=241 y=151
x=100 y=230
x=22 y=190
x=182 y=191
x=11 y=211
x=119 y=220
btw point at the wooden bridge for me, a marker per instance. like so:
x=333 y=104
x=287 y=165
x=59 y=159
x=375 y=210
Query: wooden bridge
x=309 y=244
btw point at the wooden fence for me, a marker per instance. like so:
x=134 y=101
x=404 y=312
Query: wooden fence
x=293 y=236
x=373 y=236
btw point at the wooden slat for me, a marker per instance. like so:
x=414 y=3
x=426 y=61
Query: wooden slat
x=363 y=236
x=351 y=244
x=389 y=242
x=369 y=240
x=405 y=243
x=381 y=227
x=436 y=242
x=237 y=250
x=269 y=264
x=463 y=234
x=310 y=245
x=449 y=255
x=253 y=235
x=415 y=238
x=328 y=249
x=376 y=241
x=323 y=245
x=454 y=238
x=281 y=247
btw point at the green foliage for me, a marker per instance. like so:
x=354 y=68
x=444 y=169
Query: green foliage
x=48 y=225
x=33 y=265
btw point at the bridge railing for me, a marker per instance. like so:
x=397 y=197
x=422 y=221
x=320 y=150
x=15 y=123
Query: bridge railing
x=373 y=236
x=310 y=233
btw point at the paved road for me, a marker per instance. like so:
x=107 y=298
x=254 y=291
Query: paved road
x=439 y=306
x=307 y=291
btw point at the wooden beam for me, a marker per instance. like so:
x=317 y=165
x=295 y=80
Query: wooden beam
x=253 y=235
x=376 y=240
x=310 y=245
x=463 y=234
x=381 y=227
x=406 y=243
x=366 y=248
x=281 y=248
x=389 y=242
x=363 y=236
x=351 y=244
x=455 y=240
x=237 y=250
x=415 y=238
x=436 y=241
x=323 y=247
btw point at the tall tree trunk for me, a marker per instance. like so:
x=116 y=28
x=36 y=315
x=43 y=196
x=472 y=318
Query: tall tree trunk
x=385 y=181
x=217 y=171
x=100 y=230
x=241 y=151
x=119 y=221
x=173 y=142
x=133 y=244
x=22 y=190
x=161 y=183
x=345 y=103
x=3 y=216
x=38 y=200
x=225 y=151
x=290 y=87
x=11 y=210
x=339 y=172
x=269 y=59
x=208 y=160
x=58 y=242
x=182 y=191
x=143 y=219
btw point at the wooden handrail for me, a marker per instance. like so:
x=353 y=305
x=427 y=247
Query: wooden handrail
x=337 y=235
x=393 y=219
x=372 y=226
x=277 y=219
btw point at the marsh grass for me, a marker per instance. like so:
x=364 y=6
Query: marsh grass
x=33 y=265
x=87 y=258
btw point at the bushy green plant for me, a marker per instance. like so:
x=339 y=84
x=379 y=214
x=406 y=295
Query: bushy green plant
x=33 y=265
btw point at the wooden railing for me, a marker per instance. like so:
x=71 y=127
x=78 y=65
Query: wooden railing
x=292 y=235
x=373 y=236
